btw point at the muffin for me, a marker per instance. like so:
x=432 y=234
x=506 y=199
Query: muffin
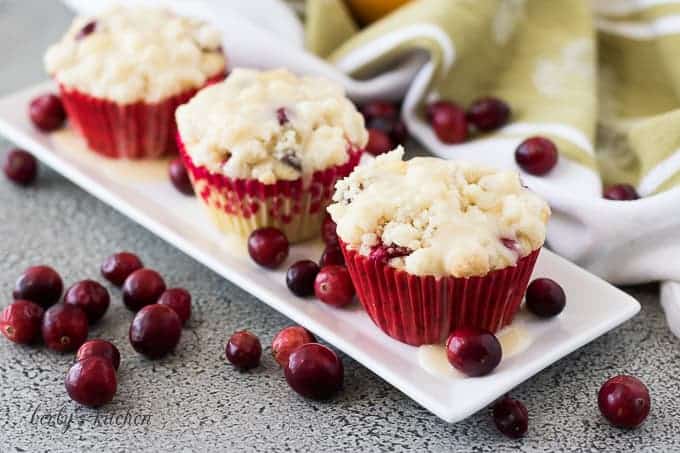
x=266 y=148
x=122 y=74
x=432 y=245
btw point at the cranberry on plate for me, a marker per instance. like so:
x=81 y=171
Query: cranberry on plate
x=180 y=177
x=473 y=351
x=117 y=267
x=20 y=321
x=300 y=277
x=47 y=112
x=536 y=155
x=545 y=298
x=329 y=232
x=179 y=299
x=20 y=167
x=91 y=382
x=448 y=121
x=621 y=192
x=155 y=330
x=511 y=417
x=99 y=348
x=288 y=340
x=39 y=284
x=488 y=114
x=143 y=287
x=378 y=142
x=89 y=295
x=334 y=286
x=268 y=247
x=314 y=371
x=332 y=254
x=624 y=401
x=64 y=327
x=243 y=350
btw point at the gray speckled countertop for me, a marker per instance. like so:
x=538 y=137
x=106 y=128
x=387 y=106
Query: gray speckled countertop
x=194 y=401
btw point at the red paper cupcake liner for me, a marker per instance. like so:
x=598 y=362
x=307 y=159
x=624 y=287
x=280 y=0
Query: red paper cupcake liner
x=243 y=205
x=134 y=131
x=425 y=309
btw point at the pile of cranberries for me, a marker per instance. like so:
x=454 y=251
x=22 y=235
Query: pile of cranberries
x=385 y=128
x=37 y=314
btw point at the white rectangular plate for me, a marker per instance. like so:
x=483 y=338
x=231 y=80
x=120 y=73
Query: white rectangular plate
x=141 y=191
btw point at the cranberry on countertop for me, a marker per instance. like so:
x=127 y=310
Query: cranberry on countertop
x=300 y=277
x=143 y=287
x=91 y=382
x=268 y=247
x=333 y=286
x=511 y=417
x=394 y=128
x=155 y=330
x=287 y=341
x=472 y=351
x=624 y=401
x=179 y=299
x=117 y=267
x=21 y=320
x=331 y=255
x=378 y=142
x=488 y=114
x=536 y=155
x=47 y=112
x=99 y=348
x=621 y=192
x=448 y=121
x=64 y=327
x=180 y=177
x=545 y=298
x=20 y=167
x=315 y=371
x=243 y=350
x=329 y=232
x=379 y=109
x=89 y=295
x=39 y=284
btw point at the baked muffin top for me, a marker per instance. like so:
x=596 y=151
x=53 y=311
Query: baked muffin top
x=136 y=54
x=270 y=126
x=430 y=216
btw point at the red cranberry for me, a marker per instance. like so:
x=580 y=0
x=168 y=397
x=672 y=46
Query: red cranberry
x=91 y=382
x=87 y=30
x=287 y=341
x=448 y=121
x=116 y=268
x=393 y=127
x=475 y=352
x=99 y=348
x=243 y=350
x=545 y=298
x=300 y=277
x=47 y=112
x=143 y=287
x=487 y=114
x=180 y=177
x=20 y=167
x=64 y=327
x=329 y=232
x=331 y=255
x=384 y=253
x=379 y=109
x=39 y=284
x=268 y=247
x=179 y=299
x=624 y=401
x=155 y=330
x=399 y=133
x=333 y=286
x=20 y=321
x=89 y=295
x=282 y=116
x=314 y=371
x=621 y=192
x=536 y=155
x=378 y=142
x=511 y=417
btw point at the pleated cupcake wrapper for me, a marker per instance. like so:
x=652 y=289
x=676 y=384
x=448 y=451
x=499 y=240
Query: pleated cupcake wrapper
x=243 y=205
x=425 y=309
x=132 y=131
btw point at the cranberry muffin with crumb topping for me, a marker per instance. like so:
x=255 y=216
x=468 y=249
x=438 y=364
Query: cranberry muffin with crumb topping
x=123 y=73
x=266 y=148
x=432 y=245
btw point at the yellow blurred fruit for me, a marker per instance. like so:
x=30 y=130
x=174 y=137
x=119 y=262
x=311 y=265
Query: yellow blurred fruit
x=367 y=11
